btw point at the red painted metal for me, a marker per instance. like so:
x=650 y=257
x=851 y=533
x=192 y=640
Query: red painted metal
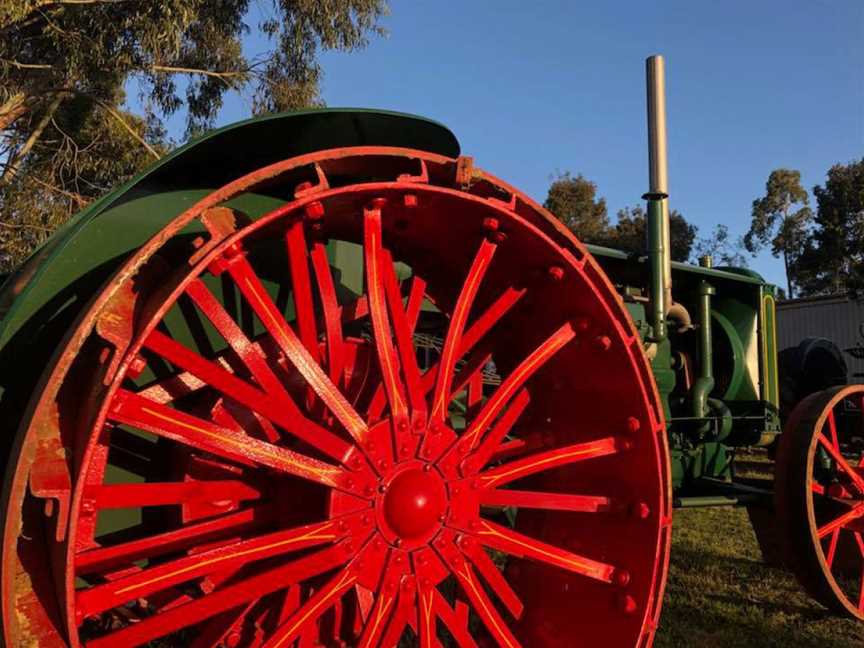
x=304 y=480
x=820 y=497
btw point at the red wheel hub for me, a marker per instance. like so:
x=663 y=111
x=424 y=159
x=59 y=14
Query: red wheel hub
x=414 y=503
x=453 y=435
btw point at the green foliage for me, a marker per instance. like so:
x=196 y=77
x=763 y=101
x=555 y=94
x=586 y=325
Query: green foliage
x=719 y=246
x=630 y=234
x=832 y=259
x=573 y=200
x=780 y=218
x=64 y=136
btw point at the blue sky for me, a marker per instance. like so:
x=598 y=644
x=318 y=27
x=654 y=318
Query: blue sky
x=531 y=88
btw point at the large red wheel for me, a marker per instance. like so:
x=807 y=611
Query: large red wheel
x=466 y=450
x=820 y=497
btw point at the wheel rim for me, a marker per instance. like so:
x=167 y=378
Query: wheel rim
x=295 y=473
x=821 y=489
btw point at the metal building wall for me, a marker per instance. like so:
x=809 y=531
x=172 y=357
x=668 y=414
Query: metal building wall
x=838 y=319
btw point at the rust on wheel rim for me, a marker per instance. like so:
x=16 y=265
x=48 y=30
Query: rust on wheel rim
x=820 y=497
x=297 y=466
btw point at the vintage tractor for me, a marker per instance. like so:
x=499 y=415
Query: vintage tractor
x=317 y=380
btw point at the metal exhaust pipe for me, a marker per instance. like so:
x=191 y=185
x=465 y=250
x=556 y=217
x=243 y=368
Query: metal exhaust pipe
x=659 y=250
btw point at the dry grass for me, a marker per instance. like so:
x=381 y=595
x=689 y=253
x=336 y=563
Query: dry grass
x=720 y=594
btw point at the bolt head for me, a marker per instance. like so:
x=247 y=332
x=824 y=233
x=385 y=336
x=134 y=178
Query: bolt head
x=643 y=511
x=621 y=577
x=490 y=224
x=314 y=211
x=628 y=605
x=603 y=342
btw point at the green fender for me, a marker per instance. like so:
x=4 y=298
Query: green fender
x=70 y=266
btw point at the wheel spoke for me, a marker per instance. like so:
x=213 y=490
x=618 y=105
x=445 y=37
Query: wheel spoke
x=304 y=307
x=450 y=352
x=832 y=426
x=117 y=496
x=215 y=633
x=376 y=621
x=261 y=302
x=859 y=540
x=842 y=463
x=403 y=614
x=224 y=599
x=832 y=547
x=840 y=522
x=492 y=575
x=140 y=584
x=426 y=624
x=484 y=606
x=131 y=409
x=309 y=612
x=497 y=537
x=123 y=554
x=455 y=620
x=547 y=460
x=249 y=352
x=492 y=441
x=327 y=596
x=277 y=407
x=516 y=379
x=403 y=329
x=479 y=328
x=469 y=374
x=330 y=306
x=374 y=260
x=545 y=501
x=415 y=301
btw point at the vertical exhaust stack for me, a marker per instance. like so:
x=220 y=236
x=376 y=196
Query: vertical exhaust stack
x=659 y=251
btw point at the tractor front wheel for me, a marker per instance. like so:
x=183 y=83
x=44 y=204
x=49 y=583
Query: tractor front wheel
x=820 y=497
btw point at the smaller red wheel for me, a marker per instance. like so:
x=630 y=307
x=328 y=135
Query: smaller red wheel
x=820 y=497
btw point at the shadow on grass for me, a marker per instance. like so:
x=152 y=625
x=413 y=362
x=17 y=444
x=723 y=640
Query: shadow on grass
x=720 y=594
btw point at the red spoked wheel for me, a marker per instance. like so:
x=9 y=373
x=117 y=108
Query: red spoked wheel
x=820 y=497
x=461 y=445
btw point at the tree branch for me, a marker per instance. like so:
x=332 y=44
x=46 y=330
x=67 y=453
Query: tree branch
x=128 y=128
x=26 y=66
x=12 y=109
x=78 y=198
x=211 y=73
x=53 y=3
x=15 y=163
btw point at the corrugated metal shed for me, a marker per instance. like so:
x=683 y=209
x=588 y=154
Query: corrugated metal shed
x=836 y=318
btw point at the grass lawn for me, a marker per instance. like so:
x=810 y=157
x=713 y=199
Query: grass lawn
x=721 y=594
